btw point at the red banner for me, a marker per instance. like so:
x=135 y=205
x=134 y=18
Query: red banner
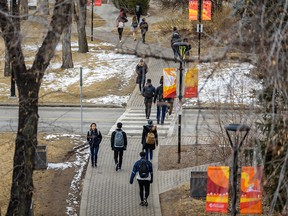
x=251 y=190
x=206 y=11
x=169 y=82
x=193 y=9
x=96 y=2
x=191 y=83
x=217 y=189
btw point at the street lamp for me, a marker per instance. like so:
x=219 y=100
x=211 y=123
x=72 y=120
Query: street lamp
x=182 y=49
x=237 y=129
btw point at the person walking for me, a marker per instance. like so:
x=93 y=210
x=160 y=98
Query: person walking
x=118 y=145
x=120 y=26
x=149 y=139
x=94 y=138
x=148 y=93
x=144 y=171
x=144 y=28
x=161 y=103
x=141 y=70
x=138 y=11
x=175 y=38
x=134 y=26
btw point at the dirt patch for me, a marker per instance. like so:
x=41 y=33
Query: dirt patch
x=48 y=184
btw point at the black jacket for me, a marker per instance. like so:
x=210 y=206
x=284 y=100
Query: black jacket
x=94 y=138
x=113 y=140
x=146 y=129
x=139 y=70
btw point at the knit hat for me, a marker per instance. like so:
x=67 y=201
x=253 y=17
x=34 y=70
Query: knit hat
x=150 y=122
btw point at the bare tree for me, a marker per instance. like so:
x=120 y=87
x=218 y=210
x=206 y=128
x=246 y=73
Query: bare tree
x=80 y=15
x=67 y=61
x=28 y=82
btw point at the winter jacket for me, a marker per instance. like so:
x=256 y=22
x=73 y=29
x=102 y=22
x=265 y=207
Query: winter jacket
x=146 y=129
x=113 y=140
x=136 y=168
x=148 y=99
x=175 y=37
x=139 y=69
x=143 y=26
x=94 y=138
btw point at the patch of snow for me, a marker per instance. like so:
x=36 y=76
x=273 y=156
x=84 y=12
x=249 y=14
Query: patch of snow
x=109 y=99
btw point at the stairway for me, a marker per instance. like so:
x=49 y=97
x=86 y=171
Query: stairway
x=133 y=120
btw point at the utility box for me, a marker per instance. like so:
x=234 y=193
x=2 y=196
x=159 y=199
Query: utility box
x=40 y=160
x=198 y=184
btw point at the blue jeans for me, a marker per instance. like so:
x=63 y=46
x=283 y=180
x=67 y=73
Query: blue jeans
x=94 y=154
x=159 y=108
x=151 y=153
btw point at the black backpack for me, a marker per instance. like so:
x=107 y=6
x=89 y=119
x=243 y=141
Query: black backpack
x=149 y=92
x=143 y=169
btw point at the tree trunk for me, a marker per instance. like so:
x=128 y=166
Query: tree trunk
x=67 y=61
x=28 y=83
x=80 y=18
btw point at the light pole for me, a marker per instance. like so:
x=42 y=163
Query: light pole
x=199 y=29
x=237 y=129
x=182 y=49
x=92 y=13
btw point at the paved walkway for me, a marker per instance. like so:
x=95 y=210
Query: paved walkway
x=107 y=192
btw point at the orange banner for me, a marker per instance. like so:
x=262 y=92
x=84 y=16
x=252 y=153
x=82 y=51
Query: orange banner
x=206 y=11
x=217 y=189
x=193 y=9
x=96 y=2
x=191 y=83
x=251 y=190
x=169 y=82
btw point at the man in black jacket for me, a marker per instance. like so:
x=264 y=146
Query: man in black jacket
x=148 y=93
x=118 y=145
x=141 y=70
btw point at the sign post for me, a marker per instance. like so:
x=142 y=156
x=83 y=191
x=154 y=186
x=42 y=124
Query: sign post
x=81 y=107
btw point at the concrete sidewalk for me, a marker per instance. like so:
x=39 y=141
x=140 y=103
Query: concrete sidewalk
x=105 y=191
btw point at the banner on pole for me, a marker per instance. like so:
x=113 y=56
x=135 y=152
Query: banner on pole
x=206 y=11
x=169 y=82
x=96 y=2
x=193 y=9
x=251 y=190
x=217 y=189
x=191 y=83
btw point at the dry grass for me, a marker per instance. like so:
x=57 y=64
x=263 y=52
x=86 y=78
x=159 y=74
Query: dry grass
x=44 y=180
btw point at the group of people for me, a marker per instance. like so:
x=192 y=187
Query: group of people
x=122 y=18
x=142 y=168
x=152 y=94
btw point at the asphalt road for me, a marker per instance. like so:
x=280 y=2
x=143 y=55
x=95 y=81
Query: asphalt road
x=63 y=119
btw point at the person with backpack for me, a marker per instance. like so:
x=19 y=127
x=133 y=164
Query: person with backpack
x=118 y=145
x=144 y=170
x=120 y=23
x=149 y=139
x=175 y=38
x=94 y=138
x=161 y=103
x=141 y=70
x=148 y=93
x=134 y=26
x=138 y=11
x=144 y=28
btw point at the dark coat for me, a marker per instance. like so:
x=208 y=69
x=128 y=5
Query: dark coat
x=113 y=140
x=148 y=99
x=139 y=70
x=94 y=138
x=146 y=129
x=136 y=168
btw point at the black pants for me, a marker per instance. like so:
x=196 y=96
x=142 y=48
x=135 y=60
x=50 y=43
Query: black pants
x=138 y=17
x=120 y=154
x=144 y=185
x=120 y=31
x=143 y=33
x=148 y=105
